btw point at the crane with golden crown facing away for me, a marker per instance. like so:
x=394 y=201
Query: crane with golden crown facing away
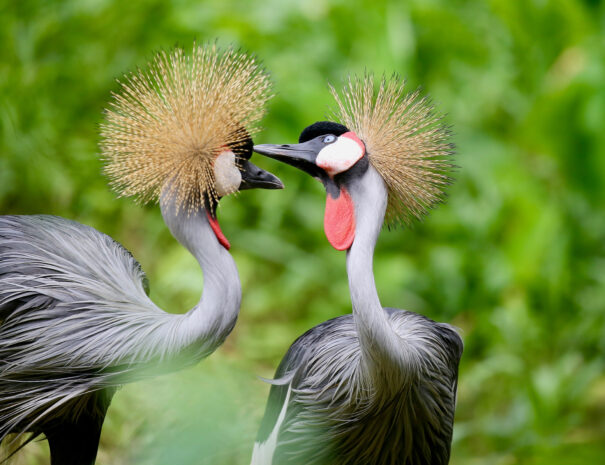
x=378 y=386
x=75 y=318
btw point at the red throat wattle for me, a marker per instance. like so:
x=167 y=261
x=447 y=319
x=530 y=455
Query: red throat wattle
x=217 y=231
x=339 y=220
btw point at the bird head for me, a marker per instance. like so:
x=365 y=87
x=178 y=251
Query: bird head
x=334 y=155
x=383 y=131
x=179 y=131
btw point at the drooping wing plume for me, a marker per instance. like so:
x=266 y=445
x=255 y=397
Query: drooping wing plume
x=406 y=141
x=169 y=121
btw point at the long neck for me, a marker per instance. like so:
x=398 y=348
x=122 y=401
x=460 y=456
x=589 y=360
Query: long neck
x=380 y=345
x=206 y=326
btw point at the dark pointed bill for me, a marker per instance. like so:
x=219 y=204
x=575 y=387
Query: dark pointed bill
x=254 y=177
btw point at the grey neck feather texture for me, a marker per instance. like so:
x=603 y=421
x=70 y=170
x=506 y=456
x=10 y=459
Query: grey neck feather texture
x=206 y=326
x=380 y=345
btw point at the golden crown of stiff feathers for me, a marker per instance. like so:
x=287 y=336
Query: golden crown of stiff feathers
x=406 y=142
x=169 y=121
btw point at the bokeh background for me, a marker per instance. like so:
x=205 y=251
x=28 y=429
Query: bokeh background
x=515 y=259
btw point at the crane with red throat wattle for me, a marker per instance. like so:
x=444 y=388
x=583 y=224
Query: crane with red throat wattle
x=76 y=321
x=377 y=386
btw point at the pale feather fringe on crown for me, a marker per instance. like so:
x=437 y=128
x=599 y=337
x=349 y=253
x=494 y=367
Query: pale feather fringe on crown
x=169 y=121
x=406 y=142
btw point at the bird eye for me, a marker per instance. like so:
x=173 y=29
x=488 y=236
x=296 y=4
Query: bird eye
x=329 y=139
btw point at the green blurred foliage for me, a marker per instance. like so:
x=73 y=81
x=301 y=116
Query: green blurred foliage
x=516 y=258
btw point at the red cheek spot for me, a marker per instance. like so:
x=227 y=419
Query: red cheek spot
x=217 y=231
x=339 y=220
x=351 y=135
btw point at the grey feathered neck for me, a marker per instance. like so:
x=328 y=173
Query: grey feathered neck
x=213 y=318
x=379 y=344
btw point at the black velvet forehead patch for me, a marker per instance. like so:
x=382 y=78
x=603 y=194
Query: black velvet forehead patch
x=244 y=149
x=320 y=128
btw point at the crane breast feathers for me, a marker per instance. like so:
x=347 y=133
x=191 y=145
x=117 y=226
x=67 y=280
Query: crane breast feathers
x=329 y=387
x=427 y=341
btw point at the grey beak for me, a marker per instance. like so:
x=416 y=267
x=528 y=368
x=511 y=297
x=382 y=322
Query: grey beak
x=304 y=152
x=254 y=177
x=301 y=156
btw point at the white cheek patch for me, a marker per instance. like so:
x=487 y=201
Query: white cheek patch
x=226 y=174
x=341 y=155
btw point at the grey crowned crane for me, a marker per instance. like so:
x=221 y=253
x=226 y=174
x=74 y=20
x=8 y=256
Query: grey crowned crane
x=75 y=318
x=377 y=386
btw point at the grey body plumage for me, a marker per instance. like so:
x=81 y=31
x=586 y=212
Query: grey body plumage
x=336 y=416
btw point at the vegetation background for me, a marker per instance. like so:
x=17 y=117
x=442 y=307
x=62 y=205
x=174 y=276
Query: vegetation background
x=516 y=258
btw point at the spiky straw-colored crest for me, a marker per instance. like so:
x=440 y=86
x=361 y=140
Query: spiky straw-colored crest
x=167 y=124
x=406 y=141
